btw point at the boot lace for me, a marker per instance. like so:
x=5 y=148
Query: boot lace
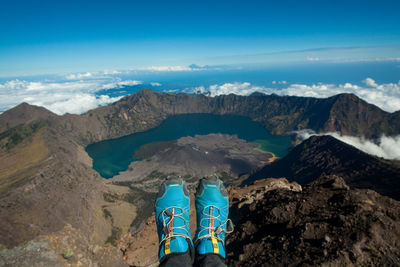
x=169 y=215
x=210 y=230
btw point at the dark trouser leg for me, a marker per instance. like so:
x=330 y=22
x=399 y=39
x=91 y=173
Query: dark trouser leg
x=209 y=260
x=176 y=260
x=183 y=260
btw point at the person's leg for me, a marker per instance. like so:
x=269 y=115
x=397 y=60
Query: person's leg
x=212 y=209
x=209 y=260
x=176 y=260
x=172 y=217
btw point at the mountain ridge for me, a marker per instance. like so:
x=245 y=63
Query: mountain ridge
x=326 y=155
x=278 y=114
x=23 y=113
x=345 y=113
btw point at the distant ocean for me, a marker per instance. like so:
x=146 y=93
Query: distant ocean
x=375 y=82
x=312 y=73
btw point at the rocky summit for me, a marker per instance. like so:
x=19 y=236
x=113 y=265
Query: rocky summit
x=325 y=224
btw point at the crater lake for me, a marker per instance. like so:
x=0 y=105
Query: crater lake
x=114 y=155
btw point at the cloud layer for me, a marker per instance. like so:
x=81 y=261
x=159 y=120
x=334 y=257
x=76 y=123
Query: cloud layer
x=155 y=84
x=386 y=96
x=192 y=67
x=385 y=147
x=61 y=97
x=79 y=92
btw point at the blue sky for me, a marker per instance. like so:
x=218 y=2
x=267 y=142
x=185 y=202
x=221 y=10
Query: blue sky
x=72 y=56
x=40 y=37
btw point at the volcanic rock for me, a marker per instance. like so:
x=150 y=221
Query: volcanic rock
x=326 y=224
x=67 y=247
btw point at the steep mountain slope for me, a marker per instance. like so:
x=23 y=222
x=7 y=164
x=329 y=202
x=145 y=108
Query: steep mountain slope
x=327 y=224
x=67 y=247
x=320 y=155
x=351 y=115
x=23 y=114
x=46 y=181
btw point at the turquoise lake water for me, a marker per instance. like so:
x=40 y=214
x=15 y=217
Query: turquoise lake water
x=114 y=155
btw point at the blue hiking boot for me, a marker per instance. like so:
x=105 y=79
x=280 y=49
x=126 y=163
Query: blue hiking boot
x=212 y=209
x=172 y=217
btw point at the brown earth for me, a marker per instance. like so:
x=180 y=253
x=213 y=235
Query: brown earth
x=25 y=157
x=67 y=247
x=44 y=186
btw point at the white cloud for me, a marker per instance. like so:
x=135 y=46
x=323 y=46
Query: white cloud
x=78 y=76
x=385 y=147
x=312 y=58
x=168 y=68
x=192 y=67
x=92 y=75
x=234 y=88
x=155 y=84
x=386 y=96
x=111 y=72
x=60 y=97
x=279 y=82
x=384 y=59
x=76 y=104
x=370 y=82
x=128 y=83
